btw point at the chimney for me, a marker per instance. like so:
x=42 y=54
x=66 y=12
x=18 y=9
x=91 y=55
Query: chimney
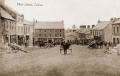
x=83 y=26
x=99 y=21
x=93 y=26
x=88 y=26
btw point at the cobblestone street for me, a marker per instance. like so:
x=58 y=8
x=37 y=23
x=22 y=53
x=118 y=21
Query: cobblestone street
x=49 y=62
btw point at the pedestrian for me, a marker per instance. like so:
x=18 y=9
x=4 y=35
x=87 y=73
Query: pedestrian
x=107 y=48
x=65 y=46
x=118 y=49
x=7 y=48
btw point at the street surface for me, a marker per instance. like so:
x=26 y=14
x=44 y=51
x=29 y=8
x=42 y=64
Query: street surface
x=49 y=62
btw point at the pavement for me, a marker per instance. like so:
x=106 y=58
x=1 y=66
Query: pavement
x=49 y=62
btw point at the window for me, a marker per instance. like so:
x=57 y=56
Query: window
x=55 y=35
x=91 y=32
x=21 y=29
x=10 y=27
x=117 y=29
x=40 y=35
x=114 y=30
x=50 y=30
x=50 y=35
x=60 y=35
x=45 y=35
x=60 y=30
x=95 y=33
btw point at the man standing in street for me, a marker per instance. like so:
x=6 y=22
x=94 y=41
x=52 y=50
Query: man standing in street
x=118 y=49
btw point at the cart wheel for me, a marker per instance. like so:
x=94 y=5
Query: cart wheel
x=71 y=50
x=61 y=51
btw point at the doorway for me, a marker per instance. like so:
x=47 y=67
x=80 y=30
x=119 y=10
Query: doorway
x=49 y=41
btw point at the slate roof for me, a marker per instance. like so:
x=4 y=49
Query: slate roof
x=102 y=25
x=117 y=22
x=10 y=10
x=49 y=25
x=6 y=15
x=28 y=22
x=84 y=30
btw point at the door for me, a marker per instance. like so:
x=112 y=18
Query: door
x=49 y=41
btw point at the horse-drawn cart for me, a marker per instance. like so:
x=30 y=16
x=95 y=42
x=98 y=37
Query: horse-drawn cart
x=66 y=48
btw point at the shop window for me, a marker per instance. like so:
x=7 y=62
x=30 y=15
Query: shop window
x=50 y=30
x=60 y=30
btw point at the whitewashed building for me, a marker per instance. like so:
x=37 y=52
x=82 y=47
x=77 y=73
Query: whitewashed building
x=103 y=31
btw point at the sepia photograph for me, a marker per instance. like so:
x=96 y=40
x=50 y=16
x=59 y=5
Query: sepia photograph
x=59 y=37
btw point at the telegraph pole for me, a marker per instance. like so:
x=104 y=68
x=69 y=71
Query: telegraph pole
x=33 y=31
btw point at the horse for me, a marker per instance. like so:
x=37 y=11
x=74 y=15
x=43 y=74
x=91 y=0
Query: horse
x=65 y=47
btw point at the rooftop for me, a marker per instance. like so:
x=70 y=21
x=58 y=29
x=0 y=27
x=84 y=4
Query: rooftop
x=6 y=15
x=84 y=30
x=117 y=22
x=49 y=25
x=28 y=22
x=10 y=10
x=101 y=25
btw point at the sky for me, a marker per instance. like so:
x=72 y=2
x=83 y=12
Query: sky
x=78 y=12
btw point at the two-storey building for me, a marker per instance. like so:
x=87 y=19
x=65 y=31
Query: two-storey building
x=49 y=32
x=84 y=36
x=116 y=32
x=8 y=25
x=102 y=31
x=28 y=33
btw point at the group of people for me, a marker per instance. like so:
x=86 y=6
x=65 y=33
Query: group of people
x=46 y=44
x=109 y=45
x=65 y=46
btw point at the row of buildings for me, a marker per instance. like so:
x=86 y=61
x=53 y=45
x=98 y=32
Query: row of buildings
x=108 y=31
x=79 y=35
x=15 y=29
x=51 y=32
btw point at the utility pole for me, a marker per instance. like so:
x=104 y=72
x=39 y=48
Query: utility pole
x=34 y=31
